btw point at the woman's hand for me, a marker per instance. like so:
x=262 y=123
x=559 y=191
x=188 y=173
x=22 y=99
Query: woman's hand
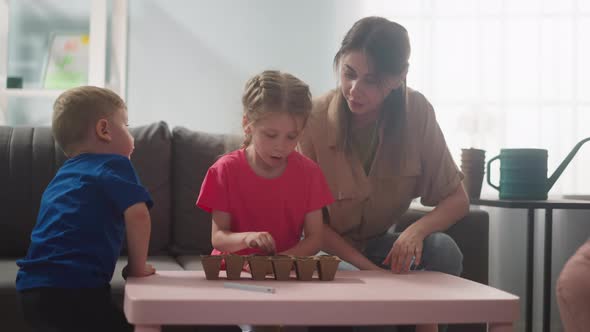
x=409 y=245
x=411 y=241
x=261 y=240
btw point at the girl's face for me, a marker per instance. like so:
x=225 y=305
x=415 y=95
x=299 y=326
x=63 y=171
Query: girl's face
x=361 y=86
x=274 y=137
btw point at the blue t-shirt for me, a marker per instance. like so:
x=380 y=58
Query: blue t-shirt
x=80 y=226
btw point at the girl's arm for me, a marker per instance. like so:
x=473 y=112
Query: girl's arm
x=223 y=239
x=312 y=242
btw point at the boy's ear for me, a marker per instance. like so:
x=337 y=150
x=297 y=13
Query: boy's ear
x=102 y=130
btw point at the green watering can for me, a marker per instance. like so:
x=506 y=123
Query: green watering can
x=523 y=172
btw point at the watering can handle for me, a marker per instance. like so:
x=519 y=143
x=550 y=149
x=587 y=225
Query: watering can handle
x=489 y=175
x=557 y=173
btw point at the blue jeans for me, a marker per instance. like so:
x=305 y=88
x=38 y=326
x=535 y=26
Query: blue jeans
x=440 y=253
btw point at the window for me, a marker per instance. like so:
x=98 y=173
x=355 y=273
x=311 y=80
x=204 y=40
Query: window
x=504 y=74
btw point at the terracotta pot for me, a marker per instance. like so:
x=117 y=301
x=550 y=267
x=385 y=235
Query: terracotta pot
x=211 y=265
x=282 y=266
x=233 y=266
x=304 y=267
x=327 y=267
x=259 y=266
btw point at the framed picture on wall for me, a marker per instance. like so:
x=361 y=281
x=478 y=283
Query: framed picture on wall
x=67 y=61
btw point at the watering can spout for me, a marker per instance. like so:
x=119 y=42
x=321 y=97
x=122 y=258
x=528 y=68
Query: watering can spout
x=564 y=164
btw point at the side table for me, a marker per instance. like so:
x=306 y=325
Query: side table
x=548 y=205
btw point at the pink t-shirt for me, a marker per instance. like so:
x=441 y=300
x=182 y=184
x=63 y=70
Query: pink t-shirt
x=257 y=204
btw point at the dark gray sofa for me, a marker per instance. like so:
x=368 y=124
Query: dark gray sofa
x=171 y=164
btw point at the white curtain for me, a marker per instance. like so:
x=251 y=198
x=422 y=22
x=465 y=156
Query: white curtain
x=504 y=74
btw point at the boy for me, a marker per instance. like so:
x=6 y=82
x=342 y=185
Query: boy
x=95 y=196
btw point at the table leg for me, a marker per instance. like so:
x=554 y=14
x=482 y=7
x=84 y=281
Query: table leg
x=147 y=328
x=530 y=239
x=500 y=327
x=547 y=270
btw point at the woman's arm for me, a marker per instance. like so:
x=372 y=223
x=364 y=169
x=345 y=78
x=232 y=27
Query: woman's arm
x=335 y=244
x=311 y=243
x=223 y=239
x=410 y=242
x=450 y=210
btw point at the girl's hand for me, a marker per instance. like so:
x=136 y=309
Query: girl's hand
x=261 y=240
x=409 y=245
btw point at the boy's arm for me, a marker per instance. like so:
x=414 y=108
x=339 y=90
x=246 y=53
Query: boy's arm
x=223 y=239
x=138 y=228
x=312 y=242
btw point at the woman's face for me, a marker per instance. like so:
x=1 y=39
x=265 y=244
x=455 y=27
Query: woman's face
x=363 y=89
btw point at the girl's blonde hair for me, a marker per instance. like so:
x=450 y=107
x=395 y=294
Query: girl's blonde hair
x=274 y=91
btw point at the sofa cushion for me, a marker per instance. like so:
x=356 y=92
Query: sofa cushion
x=192 y=155
x=190 y=262
x=8 y=271
x=151 y=159
x=29 y=158
x=12 y=317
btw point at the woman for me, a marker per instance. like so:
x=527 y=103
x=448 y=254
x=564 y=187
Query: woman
x=379 y=146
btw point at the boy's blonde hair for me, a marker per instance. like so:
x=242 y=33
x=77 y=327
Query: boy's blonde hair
x=275 y=91
x=77 y=110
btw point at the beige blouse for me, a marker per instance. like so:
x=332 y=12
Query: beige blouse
x=366 y=206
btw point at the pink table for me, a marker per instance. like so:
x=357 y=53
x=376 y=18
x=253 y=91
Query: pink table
x=354 y=298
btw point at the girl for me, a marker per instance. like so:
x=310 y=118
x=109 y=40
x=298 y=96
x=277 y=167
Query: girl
x=265 y=194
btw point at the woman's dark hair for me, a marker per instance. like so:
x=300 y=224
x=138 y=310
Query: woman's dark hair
x=384 y=42
x=386 y=45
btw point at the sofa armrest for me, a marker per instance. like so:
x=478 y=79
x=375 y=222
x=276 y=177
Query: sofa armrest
x=472 y=236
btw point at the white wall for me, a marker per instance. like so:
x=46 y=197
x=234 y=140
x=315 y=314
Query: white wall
x=189 y=60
